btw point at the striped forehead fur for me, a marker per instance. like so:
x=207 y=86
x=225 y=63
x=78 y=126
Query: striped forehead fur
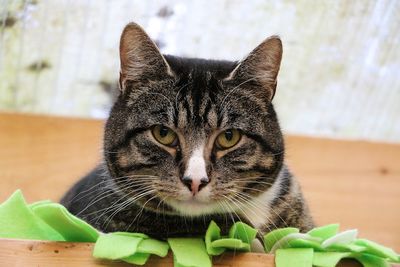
x=198 y=94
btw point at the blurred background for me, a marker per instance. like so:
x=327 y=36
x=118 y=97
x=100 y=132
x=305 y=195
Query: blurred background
x=340 y=80
x=339 y=77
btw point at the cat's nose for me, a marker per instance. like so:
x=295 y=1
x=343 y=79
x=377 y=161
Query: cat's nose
x=195 y=185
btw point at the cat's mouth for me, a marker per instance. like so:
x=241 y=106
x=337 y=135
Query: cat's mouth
x=194 y=207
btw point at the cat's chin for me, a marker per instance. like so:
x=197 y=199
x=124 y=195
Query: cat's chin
x=194 y=207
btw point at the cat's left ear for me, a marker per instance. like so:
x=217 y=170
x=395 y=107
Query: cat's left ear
x=261 y=65
x=141 y=60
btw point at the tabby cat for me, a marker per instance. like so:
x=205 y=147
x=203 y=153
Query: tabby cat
x=189 y=141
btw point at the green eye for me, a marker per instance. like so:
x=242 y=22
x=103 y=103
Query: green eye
x=228 y=138
x=164 y=135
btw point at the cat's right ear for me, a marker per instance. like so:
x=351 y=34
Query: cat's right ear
x=141 y=60
x=261 y=65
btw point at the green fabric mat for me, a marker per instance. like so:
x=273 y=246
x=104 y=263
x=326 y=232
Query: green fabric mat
x=321 y=247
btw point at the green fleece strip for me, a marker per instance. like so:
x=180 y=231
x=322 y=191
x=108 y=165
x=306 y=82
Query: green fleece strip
x=274 y=236
x=240 y=238
x=322 y=246
x=329 y=259
x=294 y=257
x=377 y=250
x=69 y=226
x=213 y=233
x=231 y=243
x=189 y=252
x=18 y=221
x=368 y=260
x=243 y=232
x=115 y=246
x=137 y=258
x=153 y=246
x=324 y=232
x=133 y=248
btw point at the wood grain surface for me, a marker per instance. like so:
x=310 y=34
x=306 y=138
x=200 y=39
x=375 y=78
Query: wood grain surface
x=44 y=253
x=350 y=182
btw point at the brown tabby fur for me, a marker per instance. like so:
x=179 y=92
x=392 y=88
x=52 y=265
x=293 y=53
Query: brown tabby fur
x=138 y=188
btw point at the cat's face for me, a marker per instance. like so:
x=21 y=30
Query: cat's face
x=199 y=136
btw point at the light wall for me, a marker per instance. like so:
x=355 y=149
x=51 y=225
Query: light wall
x=339 y=76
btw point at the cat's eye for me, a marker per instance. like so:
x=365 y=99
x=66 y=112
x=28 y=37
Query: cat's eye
x=164 y=135
x=228 y=138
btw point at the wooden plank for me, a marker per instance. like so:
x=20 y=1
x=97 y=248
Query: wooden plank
x=80 y=254
x=43 y=253
x=350 y=182
x=354 y=183
x=45 y=155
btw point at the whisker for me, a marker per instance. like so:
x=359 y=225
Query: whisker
x=253 y=212
x=140 y=212
x=106 y=194
x=110 y=182
x=100 y=197
x=252 y=202
x=89 y=190
x=233 y=221
x=115 y=205
x=126 y=205
x=132 y=199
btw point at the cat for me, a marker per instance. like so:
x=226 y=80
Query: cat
x=189 y=141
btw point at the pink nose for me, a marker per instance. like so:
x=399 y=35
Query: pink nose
x=195 y=185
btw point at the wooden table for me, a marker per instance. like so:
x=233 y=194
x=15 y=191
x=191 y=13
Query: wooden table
x=353 y=183
x=66 y=254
